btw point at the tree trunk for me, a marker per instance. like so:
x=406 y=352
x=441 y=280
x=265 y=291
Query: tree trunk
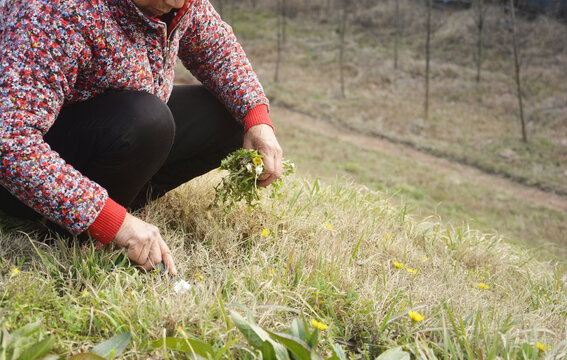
x=397 y=33
x=480 y=25
x=284 y=16
x=342 y=44
x=278 y=40
x=517 y=70
x=427 y=56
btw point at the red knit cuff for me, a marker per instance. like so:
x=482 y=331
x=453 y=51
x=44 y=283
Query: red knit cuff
x=108 y=222
x=256 y=116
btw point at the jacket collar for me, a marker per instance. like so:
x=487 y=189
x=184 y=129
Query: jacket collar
x=127 y=14
x=180 y=14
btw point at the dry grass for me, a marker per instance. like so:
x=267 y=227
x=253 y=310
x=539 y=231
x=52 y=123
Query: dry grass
x=342 y=273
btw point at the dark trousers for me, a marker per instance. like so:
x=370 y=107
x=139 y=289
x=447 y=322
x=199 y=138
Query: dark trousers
x=138 y=147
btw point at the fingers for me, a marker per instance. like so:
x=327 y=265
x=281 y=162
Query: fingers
x=144 y=244
x=154 y=255
x=273 y=168
x=139 y=252
x=168 y=259
x=262 y=138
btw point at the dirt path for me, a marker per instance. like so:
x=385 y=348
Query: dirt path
x=474 y=175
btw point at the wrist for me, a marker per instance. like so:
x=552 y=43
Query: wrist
x=256 y=116
x=108 y=222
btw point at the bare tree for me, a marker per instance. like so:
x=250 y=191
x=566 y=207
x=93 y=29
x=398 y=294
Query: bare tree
x=517 y=69
x=397 y=32
x=480 y=12
x=284 y=21
x=279 y=42
x=342 y=32
x=429 y=4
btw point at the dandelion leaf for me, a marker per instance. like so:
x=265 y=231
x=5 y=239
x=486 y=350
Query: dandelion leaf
x=113 y=346
x=294 y=344
x=274 y=350
x=201 y=349
x=38 y=349
x=338 y=352
x=297 y=329
x=394 y=354
x=250 y=331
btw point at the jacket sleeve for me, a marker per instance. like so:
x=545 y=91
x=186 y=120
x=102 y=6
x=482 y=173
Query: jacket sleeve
x=209 y=50
x=40 y=55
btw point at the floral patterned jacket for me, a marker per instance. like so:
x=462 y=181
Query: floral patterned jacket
x=54 y=53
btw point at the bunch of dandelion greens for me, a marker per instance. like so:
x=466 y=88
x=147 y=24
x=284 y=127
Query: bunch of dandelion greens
x=241 y=183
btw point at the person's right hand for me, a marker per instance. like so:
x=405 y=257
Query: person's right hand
x=144 y=244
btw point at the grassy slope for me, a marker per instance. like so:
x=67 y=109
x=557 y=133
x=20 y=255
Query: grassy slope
x=342 y=274
x=470 y=122
x=427 y=191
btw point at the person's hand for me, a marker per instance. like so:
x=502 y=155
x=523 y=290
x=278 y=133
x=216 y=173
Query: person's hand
x=262 y=138
x=144 y=244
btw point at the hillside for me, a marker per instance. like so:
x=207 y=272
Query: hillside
x=470 y=124
x=474 y=123
x=336 y=253
x=362 y=238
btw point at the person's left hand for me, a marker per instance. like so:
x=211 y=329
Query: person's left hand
x=262 y=138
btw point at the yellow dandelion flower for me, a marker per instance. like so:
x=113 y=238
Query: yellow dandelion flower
x=14 y=272
x=199 y=277
x=266 y=233
x=411 y=271
x=399 y=265
x=85 y=293
x=425 y=258
x=179 y=328
x=318 y=325
x=415 y=316
x=387 y=235
x=272 y=271
x=328 y=226
x=257 y=160
x=482 y=286
x=543 y=347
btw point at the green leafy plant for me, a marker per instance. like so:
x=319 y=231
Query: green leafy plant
x=106 y=350
x=195 y=348
x=299 y=344
x=25 y=343
x=241 y=183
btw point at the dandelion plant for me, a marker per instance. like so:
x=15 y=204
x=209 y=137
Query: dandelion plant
x=241 y=183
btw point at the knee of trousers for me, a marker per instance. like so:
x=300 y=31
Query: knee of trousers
x=148 y=126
